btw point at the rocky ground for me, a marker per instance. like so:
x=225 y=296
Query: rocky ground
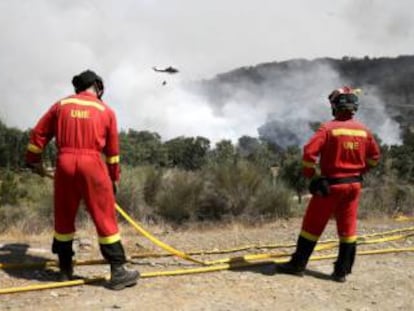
x=379 y=282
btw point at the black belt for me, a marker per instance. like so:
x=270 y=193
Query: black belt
x=345 y=180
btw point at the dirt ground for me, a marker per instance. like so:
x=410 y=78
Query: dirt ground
x=378 y=282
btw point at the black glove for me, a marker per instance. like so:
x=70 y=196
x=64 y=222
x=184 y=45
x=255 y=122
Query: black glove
x=319 y=186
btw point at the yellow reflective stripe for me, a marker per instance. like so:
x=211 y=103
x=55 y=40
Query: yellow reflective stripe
x=82 y=102
x=348 y=239
x=109 y=239
x=34 y=149
x=64 y=237
x=308 y=164
x=349 y=132
x=372 y=162
x=309 y=236
x=112 y=160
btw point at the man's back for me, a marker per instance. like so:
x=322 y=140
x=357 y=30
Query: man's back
x=80 y=121
x=344 y=147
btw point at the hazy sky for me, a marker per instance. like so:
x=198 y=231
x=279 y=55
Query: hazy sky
x=44 y=43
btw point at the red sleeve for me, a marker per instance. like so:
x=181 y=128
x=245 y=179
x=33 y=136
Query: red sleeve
x=111 y=149
x=40 y=136
x=311 y=152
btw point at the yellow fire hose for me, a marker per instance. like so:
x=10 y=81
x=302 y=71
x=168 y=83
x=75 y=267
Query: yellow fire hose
x=154 y=240
x=190 y=271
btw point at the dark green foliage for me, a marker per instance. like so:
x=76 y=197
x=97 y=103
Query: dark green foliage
x=26 y=202
x=272 y=200
x=142 y=148
x=291 y=171
x=224 y=153
x=179 y=195
x=152 y=185
x=235 y=185
x=188 y=153
x=13 y=144
x=402 y=161
x=257 y=151
x=10 y=189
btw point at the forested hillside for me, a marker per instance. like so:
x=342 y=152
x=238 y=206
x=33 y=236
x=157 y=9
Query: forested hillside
x=392 y=79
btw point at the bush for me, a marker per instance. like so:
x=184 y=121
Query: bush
x=389 y=200
x=272 y=200
x=29 y=205
x=178 y=197
x=10 y=190
x=233 y=185
x=129 y=195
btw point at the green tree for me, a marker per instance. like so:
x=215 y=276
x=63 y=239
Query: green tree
x=261 y=153
x=291 y=171
x=224 y=152
x=142 y=148
x=188 y=152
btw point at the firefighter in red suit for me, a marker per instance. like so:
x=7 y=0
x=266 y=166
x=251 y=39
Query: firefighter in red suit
x=84 y=128
x=346 y=149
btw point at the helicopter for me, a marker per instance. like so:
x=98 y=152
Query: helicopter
x=169 y=70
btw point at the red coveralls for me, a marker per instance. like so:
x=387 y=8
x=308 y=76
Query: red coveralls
x=83 y=127
x=346 y=148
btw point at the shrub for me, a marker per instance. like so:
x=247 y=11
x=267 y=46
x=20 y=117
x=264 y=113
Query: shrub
x=231 y=186
x=29 y=205
x=10 y=190
x=390 y=200
x=179 y=195
x=132 y=195
x=272 y=200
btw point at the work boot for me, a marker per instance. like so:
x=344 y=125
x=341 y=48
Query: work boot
x=65 y=268
x=299 y=260
x=290 y=268
x=339 y=277
x=122 y=277
x=345 y=261
x=65 y=253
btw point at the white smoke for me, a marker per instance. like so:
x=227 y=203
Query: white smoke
x=172 y=111
x=45 y=43
x=282 y=106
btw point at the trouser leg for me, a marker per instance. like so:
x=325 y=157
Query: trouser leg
x=346 y=217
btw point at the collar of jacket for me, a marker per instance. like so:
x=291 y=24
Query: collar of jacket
x=87 y=94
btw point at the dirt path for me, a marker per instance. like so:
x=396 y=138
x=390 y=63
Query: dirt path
x=379 y=282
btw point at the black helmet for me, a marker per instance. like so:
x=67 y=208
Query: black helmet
x=344 y=98
x=85 y=80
